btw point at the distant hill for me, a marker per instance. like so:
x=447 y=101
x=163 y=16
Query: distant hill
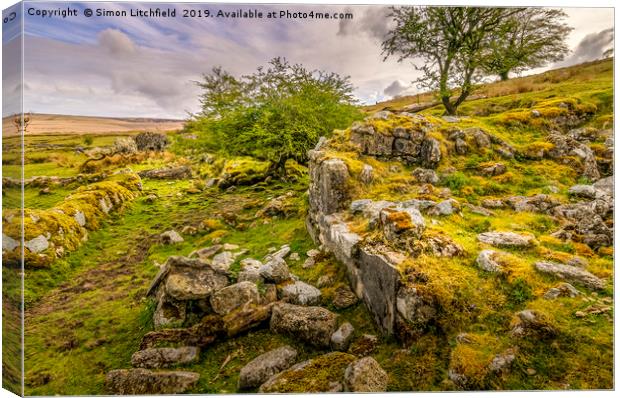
x=66 y=124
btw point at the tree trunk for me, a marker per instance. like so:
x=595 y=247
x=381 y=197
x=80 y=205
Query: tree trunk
x=503 y=75
x=450 y=109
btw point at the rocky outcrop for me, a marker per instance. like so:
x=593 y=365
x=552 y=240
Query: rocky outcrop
x=409 y=144
x=149 y=141
x=180 y=280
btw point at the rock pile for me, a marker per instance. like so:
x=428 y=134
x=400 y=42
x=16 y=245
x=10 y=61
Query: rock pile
x=199 y=302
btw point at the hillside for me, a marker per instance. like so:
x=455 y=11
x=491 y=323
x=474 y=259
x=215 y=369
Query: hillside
x=66 y=124
x=414 y=252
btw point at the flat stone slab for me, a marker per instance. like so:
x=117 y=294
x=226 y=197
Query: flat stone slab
x=164 y=357
x=264 y=366
x=571 y=273
x=147 y=382
x=505 y=239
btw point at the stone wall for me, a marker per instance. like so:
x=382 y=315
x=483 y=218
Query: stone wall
x=373 y=278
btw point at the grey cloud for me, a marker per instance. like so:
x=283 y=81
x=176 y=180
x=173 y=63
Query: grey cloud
x=116 y=42
x=374 y=22
x=395 y=88
x=591 y=47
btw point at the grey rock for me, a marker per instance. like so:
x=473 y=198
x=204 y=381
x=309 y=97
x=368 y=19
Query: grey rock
x=451 y=119
x=425 y=176
x=263 y=367
x=164 y=357
x=147 y=382
x=8 y=243
x=328 y=192
x=366 y=176
x=344 y=297
x=171 y=237
x=313 y=325
x=503 y=361
x=507 y=239
x=570 y=273
x=403 y=223
x=206 y=252
x=37 y=244
x=461 y=147
x=365 y=375
x=80 y=218
x=301 y=293
x=415 y=308
x=280 y=253
x=275 y=270
x=486 y=261
x=583 y=191
x=562 y=290
x=494 y=170
x=532 y=322
x=188 y=279
x=342 y=337
x=444 y=208
x=606 y=185
x=493 y=203
x=222 y=261
x=149 y=141
x=234 y=296
x=250 y=271
x=430 y=153
x=359 y=205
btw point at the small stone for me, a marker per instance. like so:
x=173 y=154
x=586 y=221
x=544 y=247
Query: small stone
x=294 y=257
x=365 y=375
x=80 y=218
x=325 y=280
x=487 y=262
x=530 y=371
x=230 y=247
x=366 y=176
x=222 y=261
x=342 y=337
x=301 y=293
x=580 y=314
x=171 y=237
x=425 y=176
x=344 y=297
x=275 y=270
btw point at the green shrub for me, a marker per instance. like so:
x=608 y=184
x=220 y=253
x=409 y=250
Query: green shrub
x=274 y=115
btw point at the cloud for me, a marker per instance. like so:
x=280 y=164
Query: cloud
x=591 y=47
x=116 y=42
x=375 y=23
x=395 y=88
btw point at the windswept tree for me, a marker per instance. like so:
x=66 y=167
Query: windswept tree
x=531 y=38
x=275 y=114
x=450 y=42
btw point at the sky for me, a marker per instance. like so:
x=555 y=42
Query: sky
x=147 y=67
